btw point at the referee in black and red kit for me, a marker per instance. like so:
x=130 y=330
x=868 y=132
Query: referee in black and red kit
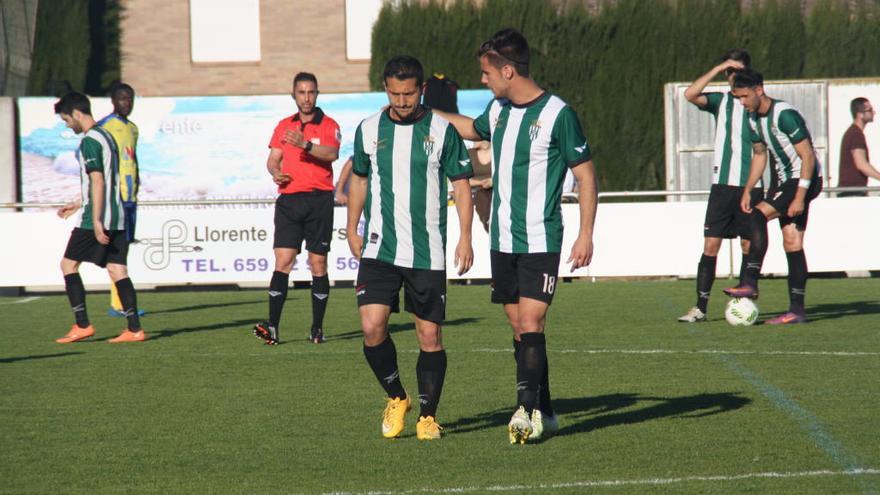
x=303 y=148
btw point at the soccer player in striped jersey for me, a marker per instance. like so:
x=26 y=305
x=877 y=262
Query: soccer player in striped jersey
x=403 y=157
x=730 y=171
x=99 y=236
x=535 y=137
x=778 y=130
x=125 y=133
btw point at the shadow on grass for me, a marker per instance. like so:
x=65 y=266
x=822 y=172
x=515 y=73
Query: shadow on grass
x=581 y=415
x=243 y=325
x=41 y=356
x=202 y=306
x=397 y=328
x=820 y=312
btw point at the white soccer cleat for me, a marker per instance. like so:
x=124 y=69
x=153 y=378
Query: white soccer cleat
x=693 y=315
x=543 y=426
x=520 y=427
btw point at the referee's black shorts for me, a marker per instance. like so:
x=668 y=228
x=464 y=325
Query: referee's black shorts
x=304 y=216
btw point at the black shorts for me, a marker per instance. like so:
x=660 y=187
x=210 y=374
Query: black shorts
x=724 y=217
x=84 y=246
x=532 y=275
x=781 y=196
x=305 y=215
x=424 y=290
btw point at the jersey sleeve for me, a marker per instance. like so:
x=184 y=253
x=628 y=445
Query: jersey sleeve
x=332 y=136
x=713 y=103
x=277 y=135
x=454 y=160
x=568 y=134
x=360 y=160
x=481 y=123
x=93 y=156
x=792 y=124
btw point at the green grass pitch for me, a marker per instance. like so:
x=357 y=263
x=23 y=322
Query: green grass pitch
x=646 y=404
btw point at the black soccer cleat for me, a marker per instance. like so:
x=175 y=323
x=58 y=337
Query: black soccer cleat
x=317 y=336
x=266 y=332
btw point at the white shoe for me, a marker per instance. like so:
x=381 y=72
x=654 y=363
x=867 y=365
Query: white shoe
x=693 y=315
x=520 y=427
x=543 y=426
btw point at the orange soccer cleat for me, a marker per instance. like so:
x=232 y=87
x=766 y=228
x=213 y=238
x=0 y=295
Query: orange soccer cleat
x=76 y=333
x=129 y=336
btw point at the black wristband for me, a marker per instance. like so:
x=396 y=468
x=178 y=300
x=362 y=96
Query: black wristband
x=308 y=146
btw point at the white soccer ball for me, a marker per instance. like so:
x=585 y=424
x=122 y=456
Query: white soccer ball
x=741 y=312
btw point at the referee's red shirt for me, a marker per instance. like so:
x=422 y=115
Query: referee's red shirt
x=307 y=172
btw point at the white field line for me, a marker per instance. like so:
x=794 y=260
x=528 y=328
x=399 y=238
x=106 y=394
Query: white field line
x=21 y=301
x=633 y=482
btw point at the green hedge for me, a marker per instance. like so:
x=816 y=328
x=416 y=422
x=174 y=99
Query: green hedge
x=611 y=65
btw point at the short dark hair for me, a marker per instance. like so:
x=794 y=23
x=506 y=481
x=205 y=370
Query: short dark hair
x=305 y=76
x=857 y=105
x=748 y=78
x=507 y=47
x=738 y=54
x=73 y=101
x=119 y=87
x=403 y=67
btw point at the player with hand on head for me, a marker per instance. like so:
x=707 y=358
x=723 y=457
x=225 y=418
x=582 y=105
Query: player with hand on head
x=403 y=157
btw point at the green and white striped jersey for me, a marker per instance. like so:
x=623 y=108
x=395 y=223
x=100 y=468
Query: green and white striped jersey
x=733 y=146
x=532 y=147
x=780 y=129
x=97 y=152
x=407 y=165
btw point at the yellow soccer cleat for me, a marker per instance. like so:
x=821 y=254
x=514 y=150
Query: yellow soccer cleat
x=392 y=417
x=520 y=427
x=428 y=429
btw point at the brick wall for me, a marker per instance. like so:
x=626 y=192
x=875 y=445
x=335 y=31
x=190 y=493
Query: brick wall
x=295 y=35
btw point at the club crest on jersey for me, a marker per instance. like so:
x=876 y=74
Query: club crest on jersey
x=534 y=129
x=428 y=144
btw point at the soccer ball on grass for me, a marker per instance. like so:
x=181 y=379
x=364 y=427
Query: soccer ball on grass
x=741 y=312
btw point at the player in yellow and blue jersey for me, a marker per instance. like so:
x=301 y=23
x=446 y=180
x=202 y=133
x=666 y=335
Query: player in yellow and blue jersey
x=125 y=133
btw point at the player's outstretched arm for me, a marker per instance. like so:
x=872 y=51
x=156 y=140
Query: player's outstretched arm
x=464 y=204
x=462 y=123
x=756 y=170
x=588 y=200
x=357 y=196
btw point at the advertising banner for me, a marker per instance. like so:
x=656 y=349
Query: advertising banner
x=212 y=147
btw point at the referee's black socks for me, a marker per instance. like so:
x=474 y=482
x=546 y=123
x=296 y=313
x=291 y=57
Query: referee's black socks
x=128 y=297
x=277 y=296
x=76 y=294
x=383 y=361
x=320 y=296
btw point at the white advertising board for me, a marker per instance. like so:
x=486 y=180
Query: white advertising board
x=192 y=246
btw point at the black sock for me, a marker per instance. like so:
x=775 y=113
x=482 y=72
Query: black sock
x=757 y=249
x=128 y=297
x=544 y=400
x=530 y=365
x=277 y=296
x=320 y=296
x=705 y=279
x=797 y=280
x=430 y=372
x=76 y=294
x=744 y=262
x=383 y=361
